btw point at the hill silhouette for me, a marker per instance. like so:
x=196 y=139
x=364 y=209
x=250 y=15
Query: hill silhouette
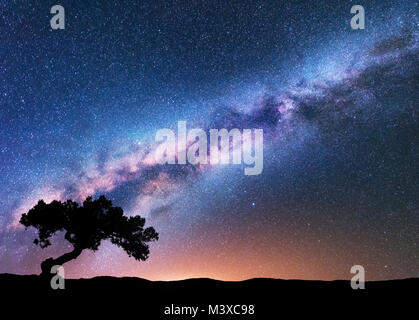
x=143 y=299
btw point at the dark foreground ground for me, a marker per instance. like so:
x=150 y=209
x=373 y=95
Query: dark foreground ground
x=135 y=298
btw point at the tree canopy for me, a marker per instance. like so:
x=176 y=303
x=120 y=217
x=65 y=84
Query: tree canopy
x=86 y=226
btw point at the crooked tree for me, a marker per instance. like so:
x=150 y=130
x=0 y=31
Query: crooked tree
x=86 y=226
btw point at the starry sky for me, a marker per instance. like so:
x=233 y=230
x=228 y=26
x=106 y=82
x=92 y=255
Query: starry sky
x=80 y=108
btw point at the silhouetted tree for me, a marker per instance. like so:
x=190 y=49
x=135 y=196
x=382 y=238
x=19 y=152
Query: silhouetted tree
x=86 y=226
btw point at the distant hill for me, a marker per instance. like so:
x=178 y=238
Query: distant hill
x=143 y=299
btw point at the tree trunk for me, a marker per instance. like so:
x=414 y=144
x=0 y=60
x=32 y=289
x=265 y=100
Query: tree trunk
x=50 y=262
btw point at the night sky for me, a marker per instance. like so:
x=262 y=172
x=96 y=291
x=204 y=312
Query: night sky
x=80 y=108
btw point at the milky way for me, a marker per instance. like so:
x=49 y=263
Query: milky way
x=338 y=107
